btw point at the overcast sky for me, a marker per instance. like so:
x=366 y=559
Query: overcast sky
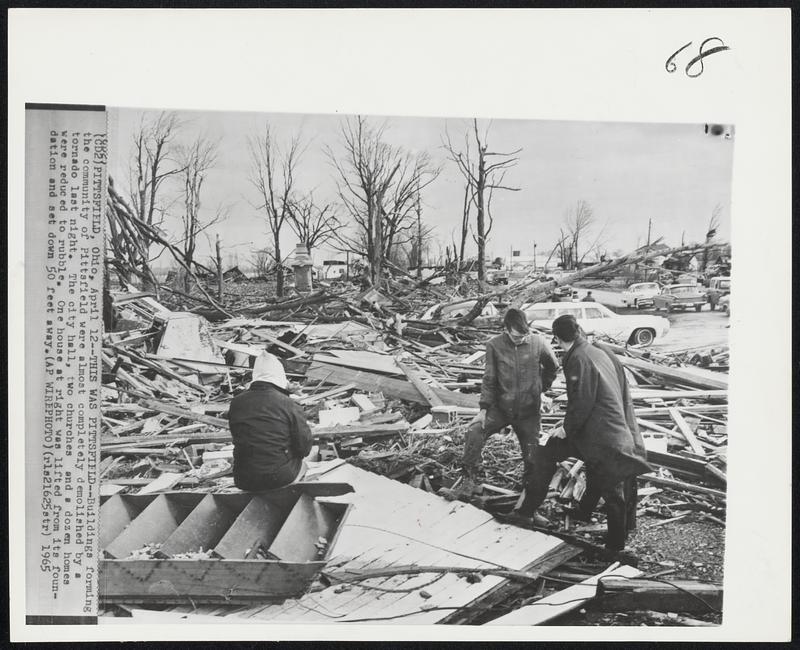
x=674 y=174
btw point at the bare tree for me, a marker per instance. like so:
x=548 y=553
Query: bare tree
x=272 y=173
x=152 y=162
x=482 y=178
x=578 y=220
x=378 y=184
x=196 y=160
x=314 y=224
x=263 y=261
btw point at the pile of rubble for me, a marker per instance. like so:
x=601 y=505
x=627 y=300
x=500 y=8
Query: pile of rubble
x=385 y=390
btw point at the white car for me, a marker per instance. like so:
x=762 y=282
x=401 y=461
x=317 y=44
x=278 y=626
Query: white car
x=599 y=319
x=640 y=294
x=457 y=310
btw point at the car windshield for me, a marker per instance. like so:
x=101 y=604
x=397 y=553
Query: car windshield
x=645 y=287
x=574 y=311
x=594 y=312
x=541 y=314
x=682 y=291
x=724 y=284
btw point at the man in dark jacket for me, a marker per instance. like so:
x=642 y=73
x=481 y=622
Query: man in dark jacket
x=270 y=433
x=597 y=429
x=519 y=367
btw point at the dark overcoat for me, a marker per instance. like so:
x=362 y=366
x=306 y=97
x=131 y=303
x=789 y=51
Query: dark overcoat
x=600 y=420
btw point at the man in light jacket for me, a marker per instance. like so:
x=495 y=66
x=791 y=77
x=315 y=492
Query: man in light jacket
x=270 y=433
x=599 y=428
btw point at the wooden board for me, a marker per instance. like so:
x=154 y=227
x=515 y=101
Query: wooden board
x=679 y=596
x=204 y=526
x=306 y=524
x=187 y=581
x=390 y=387
x=563 y=601
x=360 y=360
x=687 y=432
x=153 y=525
x=115 y=515
x=256 y=525
x=426 y=391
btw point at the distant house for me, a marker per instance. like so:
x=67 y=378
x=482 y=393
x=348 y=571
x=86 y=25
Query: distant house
x=234 y=274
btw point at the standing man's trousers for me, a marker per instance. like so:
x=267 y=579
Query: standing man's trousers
x=526 y=428
x=618 y=496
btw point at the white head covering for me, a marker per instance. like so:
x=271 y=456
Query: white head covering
x=268 y=368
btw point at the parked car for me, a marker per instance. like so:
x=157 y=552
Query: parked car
x=566 y=293
x=680 y=296
x=599 y=319
x=640 y=294
x=717 y=288
x=497 y=276
x=725 y=304
x=689 y=278
x=457 y=310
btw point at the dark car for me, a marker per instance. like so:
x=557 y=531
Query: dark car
x=680 y=296
x=717 y=287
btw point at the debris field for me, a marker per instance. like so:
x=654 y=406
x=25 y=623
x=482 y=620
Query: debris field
x=391 y=393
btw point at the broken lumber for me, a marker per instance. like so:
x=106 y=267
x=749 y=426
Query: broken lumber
x=426 y=391
x=164 y=407
x=563 y=601
x=615 y=594
x=678 y=485
x=676 y=375
x=390 y=387
x=687 y=432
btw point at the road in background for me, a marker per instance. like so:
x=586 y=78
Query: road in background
x=689 y=329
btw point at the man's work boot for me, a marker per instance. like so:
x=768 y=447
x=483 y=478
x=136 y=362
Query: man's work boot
x=465 y=490
x=534 y=519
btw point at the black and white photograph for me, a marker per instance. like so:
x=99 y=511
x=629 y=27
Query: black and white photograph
x=324 y=369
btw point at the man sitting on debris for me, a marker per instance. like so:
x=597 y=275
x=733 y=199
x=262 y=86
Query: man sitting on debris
x=520 y=366
x=270 y=433
x=600 y=428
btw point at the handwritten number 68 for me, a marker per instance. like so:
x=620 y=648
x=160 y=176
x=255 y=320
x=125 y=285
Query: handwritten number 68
x=670 y=65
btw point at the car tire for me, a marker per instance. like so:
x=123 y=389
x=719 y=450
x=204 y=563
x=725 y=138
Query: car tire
x=669 y=309
x=636 y=304
x=643 y=336
x=698 y=307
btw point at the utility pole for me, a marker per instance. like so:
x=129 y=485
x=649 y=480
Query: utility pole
x=419 y=236
x=647 y=249
x=534 y=256
x=219 y=269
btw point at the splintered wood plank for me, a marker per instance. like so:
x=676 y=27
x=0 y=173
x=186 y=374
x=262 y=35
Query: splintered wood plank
x=389 y=386
x=153 y=525
x=115 y=515
x=204 y=581
x=687 y=432
x=416 y=379
x=163 y=481
x=306 y=523
x=257 y=525
x=360 y=359
x=204 y=526
x=563 y=601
